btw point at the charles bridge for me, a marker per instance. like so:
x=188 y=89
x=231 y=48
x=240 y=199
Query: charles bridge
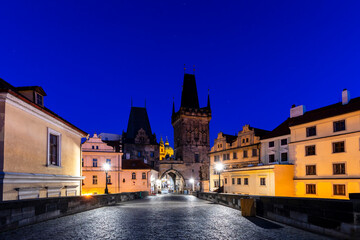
x=166 y=216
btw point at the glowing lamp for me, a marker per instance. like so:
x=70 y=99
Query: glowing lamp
x=219 y=167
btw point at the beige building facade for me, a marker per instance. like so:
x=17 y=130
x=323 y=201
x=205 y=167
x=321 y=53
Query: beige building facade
x=325 y=146
x=40 y=152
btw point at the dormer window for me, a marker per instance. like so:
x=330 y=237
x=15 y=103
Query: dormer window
x=39 y=99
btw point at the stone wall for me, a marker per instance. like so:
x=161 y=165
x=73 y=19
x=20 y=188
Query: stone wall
x=337 y=218
x=14 y=214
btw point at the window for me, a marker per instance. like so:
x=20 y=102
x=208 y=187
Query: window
x=54 y=147
x=283 y=142
x=234 y=155
x=109 y=179
x=262 y=182
x=271 y=144
x=338 y=168
x=339 y=189
x=152 y=154
x=238 y=181
x=94 y=162
x=245 y=154
x=310 y=189
x=133 y=175
x=108 y=161
x=94 y=179
x=97 y=147
x=271 y=158
x=233 y=181
x=243 y=141
x=246 y=181
x=254 y=152
x=310 y=150
x=82 y=162
x=338 y=147
x=92 y=147
x=311 y=131
x=143 y=175
x=139 y=154
x=247 y=139
x=216 y=158
x=226 y=156
x=225 y=180
x=216 y=183
x=310 y=169
x=284 y=156
x=39 y=99
x=197 y=158
x=339 y=126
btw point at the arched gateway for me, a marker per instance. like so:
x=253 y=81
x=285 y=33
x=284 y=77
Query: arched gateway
x=172 y=181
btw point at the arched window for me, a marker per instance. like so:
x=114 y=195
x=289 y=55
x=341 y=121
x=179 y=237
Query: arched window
x=143 y=175
x=133 y=175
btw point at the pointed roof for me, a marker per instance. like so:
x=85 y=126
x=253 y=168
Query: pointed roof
x=189 y=96
x=138 y=119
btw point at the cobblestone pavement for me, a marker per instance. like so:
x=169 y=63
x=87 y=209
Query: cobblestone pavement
x=160 y=217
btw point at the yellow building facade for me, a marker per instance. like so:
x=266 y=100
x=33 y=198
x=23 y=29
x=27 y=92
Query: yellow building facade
x=40 y=152
x=244 y=171
x=325 y=144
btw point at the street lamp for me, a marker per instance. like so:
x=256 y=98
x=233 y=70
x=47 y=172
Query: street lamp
x=219 y=167
x=106 y=167
x=192 y=182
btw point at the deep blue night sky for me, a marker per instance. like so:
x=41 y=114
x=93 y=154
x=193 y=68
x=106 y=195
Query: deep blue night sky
x=256 y=57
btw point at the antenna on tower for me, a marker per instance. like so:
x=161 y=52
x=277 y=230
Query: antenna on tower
x=184 y=68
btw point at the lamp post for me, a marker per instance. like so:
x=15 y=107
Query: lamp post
x=192 y=183
x=219 y=167
x=106 y=168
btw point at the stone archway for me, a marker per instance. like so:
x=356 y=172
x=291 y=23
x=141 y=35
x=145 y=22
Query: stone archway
x=172 y=181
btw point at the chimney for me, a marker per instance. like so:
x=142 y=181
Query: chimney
x=297 y=111
x=345 y=96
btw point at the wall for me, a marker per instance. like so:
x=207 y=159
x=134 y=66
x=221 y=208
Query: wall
x=15 y=214
x=26 y=150
x=333 y=217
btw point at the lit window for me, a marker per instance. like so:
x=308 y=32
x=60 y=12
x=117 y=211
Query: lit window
x=338 y=147
x=339 y=126
x=310 y=189
x=310 y=150
x=143 y=175
x=311 y=131
x=339 y=189
x=133 y=175
x=108 y=161
x=338 y=168
x=262 y=181
x=310 y=169
x=54 y=148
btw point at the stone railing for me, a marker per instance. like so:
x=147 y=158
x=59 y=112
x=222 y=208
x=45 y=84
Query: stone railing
x=337 y=218
x=14 y=214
